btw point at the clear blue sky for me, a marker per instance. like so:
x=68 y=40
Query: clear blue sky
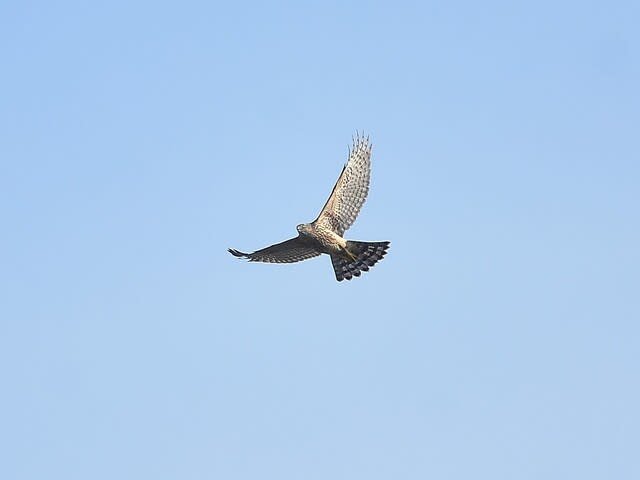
x=499 y=339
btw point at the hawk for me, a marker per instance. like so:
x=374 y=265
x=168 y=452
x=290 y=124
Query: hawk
x=325 y=234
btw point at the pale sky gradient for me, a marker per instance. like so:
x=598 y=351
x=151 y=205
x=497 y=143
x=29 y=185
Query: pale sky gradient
x=499 y=339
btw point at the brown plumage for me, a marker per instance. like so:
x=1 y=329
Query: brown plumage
x=324 y=234
x=367 y=255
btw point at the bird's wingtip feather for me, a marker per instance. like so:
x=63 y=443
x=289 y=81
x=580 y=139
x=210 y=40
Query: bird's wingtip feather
x=237 y=253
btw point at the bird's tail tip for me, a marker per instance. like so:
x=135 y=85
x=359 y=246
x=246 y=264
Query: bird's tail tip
x=366 y=255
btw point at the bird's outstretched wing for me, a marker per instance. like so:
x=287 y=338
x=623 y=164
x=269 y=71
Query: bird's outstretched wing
x=351 y=189
x=289 y=251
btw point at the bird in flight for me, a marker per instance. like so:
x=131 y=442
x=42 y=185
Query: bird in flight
x=325 y=234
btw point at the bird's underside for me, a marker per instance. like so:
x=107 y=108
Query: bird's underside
x=325 y=233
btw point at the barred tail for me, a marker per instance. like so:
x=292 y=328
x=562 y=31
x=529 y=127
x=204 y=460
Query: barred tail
x=366 y=255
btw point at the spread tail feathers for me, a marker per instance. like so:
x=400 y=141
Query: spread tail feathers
x=360 y=257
